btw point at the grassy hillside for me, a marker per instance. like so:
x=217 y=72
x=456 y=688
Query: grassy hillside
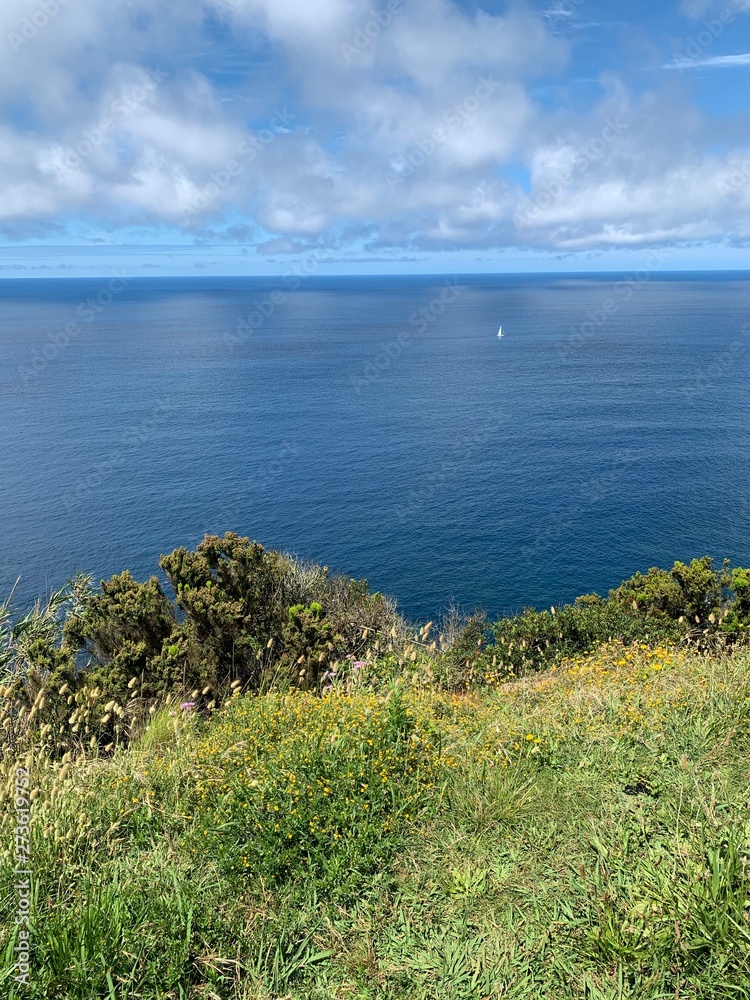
x=580 y=833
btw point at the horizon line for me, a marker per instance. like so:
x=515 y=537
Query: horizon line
x=653 y=275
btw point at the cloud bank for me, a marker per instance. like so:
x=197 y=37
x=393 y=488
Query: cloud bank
x=410 y=125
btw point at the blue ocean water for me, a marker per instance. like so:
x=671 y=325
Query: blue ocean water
x=379 y=426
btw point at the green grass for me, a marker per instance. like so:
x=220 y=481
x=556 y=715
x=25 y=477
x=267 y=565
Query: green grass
x=581 y=834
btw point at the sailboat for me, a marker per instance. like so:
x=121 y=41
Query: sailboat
x=500 y=332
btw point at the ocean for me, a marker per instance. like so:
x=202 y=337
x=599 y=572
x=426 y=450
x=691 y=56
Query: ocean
x=379 y=426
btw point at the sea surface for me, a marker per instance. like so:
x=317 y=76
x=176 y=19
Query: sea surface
x=379 y=426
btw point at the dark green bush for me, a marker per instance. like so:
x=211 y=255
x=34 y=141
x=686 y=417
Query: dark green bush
x=231 y=596
x=120 y=632
x=535 y=640
x=736 y=619
x=692 y=591
x=740 y=586
x=687 y=603
x=309 y=643
x=253 y=618
x=237 y=618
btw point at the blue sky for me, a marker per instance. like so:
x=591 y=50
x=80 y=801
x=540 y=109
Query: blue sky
x=372 y=136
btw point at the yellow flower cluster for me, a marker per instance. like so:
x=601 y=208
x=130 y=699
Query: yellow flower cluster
x=298 y=772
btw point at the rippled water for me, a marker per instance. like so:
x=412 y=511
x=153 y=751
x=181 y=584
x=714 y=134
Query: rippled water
x=607 y=431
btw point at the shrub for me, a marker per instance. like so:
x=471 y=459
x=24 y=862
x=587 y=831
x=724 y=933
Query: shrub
x=230 y=592
x=692 y=591
x=687 y=603
x=121 y=633
x=247 y=618
x=237 y=620
x=535 y=640
x=309 y=643
x=349 y=606
x=740 y=586
x=465 y=648
x=736 y=619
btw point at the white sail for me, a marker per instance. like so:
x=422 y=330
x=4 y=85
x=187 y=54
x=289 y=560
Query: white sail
x=500 y=332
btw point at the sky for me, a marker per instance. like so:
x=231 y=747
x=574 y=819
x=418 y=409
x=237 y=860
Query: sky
x=253 y=137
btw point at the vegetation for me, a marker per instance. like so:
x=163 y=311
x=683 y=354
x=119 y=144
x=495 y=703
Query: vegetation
x=268 y=785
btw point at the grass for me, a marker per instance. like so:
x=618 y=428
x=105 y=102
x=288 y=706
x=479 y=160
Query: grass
x=584 y=833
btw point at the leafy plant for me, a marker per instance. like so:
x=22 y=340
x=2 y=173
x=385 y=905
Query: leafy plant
x=692 y=591
x=121 y=633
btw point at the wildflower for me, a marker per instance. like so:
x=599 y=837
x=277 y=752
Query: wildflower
x=187 y=706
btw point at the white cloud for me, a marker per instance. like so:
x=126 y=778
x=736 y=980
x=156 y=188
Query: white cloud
x=343 y=125
x=716 y=62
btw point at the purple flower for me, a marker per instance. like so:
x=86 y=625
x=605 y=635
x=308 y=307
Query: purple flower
x=187 y=706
